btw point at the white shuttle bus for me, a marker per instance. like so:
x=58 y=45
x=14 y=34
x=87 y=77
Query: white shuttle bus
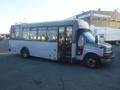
x=66 y=41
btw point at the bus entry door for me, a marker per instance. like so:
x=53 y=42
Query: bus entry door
x=65 y=44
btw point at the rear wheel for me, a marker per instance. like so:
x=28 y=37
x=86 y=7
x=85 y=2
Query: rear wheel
x=92 y=61
x=25 y=53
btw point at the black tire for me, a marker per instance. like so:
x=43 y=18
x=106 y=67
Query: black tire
x=25 y=53
x=92 y=61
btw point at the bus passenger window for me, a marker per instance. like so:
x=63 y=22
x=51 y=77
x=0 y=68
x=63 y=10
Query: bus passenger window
x=12 y=36
x=18 y=33
x=26 y=34
x=52 y=35
x=33 y=34
x=12 y=33
x=42 y=35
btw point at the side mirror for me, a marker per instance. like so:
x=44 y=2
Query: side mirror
x=96 y=39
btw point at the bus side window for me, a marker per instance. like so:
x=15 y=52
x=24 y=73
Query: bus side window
x=33 y=34
x=52 y=35
x=42 y=35
x=26 y=33
x=12 y=36
x=18 y=33
x=12 y=32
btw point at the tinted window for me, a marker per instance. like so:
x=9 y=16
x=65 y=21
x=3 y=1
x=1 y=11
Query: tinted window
x=12 y=33
x=26 y=33
x=33 y=34
x=42 y=34
x=52 y=35
x=18 y=33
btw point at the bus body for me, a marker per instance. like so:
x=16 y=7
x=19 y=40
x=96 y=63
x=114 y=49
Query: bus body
x=66 y=41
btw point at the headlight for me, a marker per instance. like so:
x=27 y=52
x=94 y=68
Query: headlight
x=108 y=54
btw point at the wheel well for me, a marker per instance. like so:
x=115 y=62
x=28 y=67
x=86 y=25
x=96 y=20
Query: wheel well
x=24 y=48
x=91 y=54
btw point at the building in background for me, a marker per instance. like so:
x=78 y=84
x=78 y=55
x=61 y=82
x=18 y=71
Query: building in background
x=101 y=18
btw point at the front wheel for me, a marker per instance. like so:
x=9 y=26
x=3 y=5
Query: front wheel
x=92 y=61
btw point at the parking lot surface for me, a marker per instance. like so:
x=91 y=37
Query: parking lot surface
x=17 y=73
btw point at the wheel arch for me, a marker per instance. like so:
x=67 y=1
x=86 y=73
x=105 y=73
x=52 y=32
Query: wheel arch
x=90 y=53
x=24 y=48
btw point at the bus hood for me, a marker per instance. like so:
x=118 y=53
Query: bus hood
x=105 y=45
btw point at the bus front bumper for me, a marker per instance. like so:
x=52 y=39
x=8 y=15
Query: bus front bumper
x=107 y=59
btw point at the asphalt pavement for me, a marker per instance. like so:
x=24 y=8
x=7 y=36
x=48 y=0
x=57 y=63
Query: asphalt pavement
x=17 y=73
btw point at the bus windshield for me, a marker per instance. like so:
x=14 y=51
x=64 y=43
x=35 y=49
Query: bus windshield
x=90 y=38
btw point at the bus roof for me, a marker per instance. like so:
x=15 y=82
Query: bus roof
x=53 y=23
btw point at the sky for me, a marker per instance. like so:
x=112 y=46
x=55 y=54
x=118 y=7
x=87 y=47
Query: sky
x=28 y=11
